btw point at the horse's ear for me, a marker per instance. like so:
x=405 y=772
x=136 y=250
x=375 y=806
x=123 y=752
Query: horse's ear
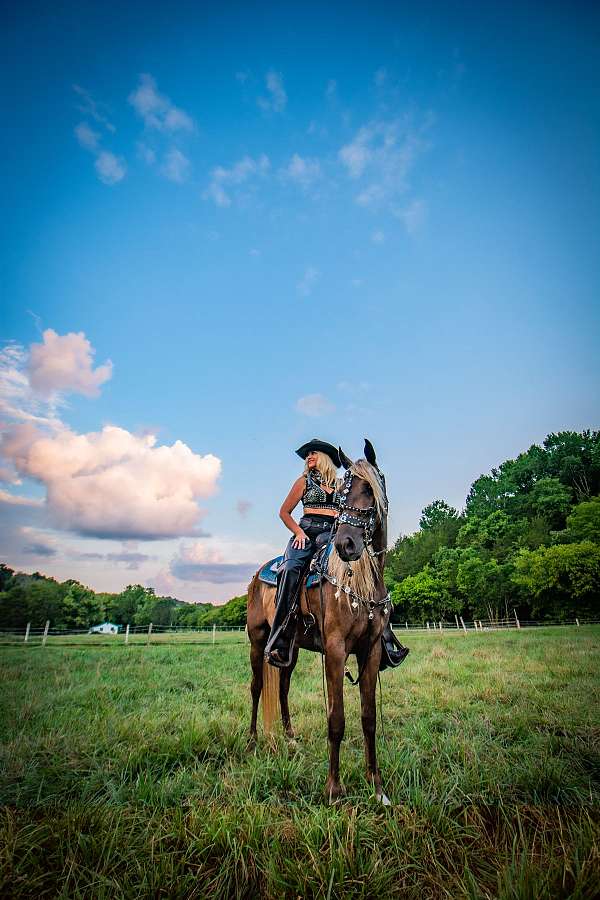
x=370 y=453
x=346 y=462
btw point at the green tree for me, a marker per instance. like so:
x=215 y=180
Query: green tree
x=583 y=524
x=422 y=597
x=435 y=514
x=562 y=581
x=81 y=607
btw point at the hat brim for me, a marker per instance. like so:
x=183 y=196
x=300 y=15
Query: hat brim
x=322 y=447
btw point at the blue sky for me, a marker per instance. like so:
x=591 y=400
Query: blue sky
x=278 y=222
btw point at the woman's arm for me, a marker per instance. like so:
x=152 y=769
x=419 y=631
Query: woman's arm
x=288 y=506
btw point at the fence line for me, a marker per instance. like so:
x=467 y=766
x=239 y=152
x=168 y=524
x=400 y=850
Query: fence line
x=217 y=634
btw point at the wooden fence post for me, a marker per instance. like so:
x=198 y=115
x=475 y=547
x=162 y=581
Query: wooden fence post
x=577 y=621
x=214 y=633
x=406 y=625
x=428 y=626
x=463 y=624
x=149 y=633
x=27 y=632
x=440 y=626
x=516 y=619
x=45 y=635
x=127 y=634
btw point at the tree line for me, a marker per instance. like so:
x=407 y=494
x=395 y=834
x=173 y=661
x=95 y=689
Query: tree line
x=70 y=605
x=528 y=540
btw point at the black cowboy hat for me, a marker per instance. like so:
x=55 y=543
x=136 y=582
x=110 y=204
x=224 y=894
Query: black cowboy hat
x=322 y=447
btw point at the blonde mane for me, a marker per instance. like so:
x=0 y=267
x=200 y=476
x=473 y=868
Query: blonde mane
x=366 y=569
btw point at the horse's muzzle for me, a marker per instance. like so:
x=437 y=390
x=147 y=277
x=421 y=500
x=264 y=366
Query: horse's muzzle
x=348 y=547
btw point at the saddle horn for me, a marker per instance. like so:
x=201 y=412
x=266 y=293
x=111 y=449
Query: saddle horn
x=370 y=453
x=345 y=460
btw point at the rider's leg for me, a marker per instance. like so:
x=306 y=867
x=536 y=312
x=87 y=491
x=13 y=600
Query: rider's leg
x=289 y=579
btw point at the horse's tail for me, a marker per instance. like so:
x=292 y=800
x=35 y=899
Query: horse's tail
x=270 y=679
x=270 y=697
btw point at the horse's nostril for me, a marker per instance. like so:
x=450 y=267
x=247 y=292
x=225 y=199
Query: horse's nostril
x=349 y=546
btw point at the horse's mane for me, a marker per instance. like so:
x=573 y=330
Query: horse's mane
x=366 y=569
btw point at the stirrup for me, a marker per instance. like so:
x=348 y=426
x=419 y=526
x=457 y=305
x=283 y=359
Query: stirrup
x=274 y=658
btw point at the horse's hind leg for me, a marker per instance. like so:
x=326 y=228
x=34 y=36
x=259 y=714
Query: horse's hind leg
x=368 y=684
x=284 y=689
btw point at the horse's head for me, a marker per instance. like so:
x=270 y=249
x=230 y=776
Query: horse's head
x=362 y=521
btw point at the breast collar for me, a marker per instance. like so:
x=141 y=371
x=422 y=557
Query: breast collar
x=315 y=497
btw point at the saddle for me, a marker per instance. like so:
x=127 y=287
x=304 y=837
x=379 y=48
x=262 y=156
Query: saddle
x=268 y=573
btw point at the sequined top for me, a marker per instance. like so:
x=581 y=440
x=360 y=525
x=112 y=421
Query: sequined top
x=315 y=497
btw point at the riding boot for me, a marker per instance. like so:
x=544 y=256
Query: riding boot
x=278 y=651
x=392 y=651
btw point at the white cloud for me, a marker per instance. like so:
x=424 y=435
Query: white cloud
x=386 y=151
x=18 y=400
x=242 y=171
x=412 y=216
x=146 y=153
x=113 y=483
x=243 y=507
x=277 y=99
x=15 y=500
x=219 y=561
x=87 y=137
x=303 y=171
x=378 y=237
x=176 y=166
x=156 y=109
x=37 y=543
x=63 y=363
x=314 y=405
x=92 y=108
x=308 y=281
x=110 y=168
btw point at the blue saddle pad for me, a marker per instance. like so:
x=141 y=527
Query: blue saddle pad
x=268 y=572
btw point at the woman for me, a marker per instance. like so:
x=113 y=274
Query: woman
x=317 y=490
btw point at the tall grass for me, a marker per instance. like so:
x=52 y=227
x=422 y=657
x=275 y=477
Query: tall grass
x=126 y=773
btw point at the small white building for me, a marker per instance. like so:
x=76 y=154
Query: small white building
x=105 y=628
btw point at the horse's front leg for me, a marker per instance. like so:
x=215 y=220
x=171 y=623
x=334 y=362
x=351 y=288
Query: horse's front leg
x=335 y=658
x=368 y=685
x=284 y=689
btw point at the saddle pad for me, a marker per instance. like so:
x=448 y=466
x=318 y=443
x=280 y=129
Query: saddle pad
x=268 y=572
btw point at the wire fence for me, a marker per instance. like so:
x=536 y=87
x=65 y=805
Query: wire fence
x=213 y=635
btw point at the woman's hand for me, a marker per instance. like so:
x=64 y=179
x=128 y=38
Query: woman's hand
x=300 y=540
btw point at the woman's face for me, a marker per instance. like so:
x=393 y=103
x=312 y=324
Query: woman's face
x=311 y=460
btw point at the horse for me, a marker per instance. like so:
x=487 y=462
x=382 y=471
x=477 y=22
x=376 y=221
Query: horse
x=350 y=608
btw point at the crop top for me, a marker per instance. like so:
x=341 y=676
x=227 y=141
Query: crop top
x=315 y=497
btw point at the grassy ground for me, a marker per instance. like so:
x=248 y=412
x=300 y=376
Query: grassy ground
x=126 y=773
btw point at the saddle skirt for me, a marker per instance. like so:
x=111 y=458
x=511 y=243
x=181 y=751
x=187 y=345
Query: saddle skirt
x=268 y=572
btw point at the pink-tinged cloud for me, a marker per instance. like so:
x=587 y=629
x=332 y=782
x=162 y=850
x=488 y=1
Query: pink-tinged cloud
x=64 y=363
x=114 y=484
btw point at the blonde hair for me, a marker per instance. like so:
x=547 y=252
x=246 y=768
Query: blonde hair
x=326 y=468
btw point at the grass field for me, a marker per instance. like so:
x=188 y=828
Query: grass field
x=125 y=773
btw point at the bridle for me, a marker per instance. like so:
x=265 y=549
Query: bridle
x=360 y=517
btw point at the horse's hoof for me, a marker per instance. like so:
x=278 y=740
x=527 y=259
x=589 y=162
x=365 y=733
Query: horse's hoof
x=383 y=799
x=335 y=792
